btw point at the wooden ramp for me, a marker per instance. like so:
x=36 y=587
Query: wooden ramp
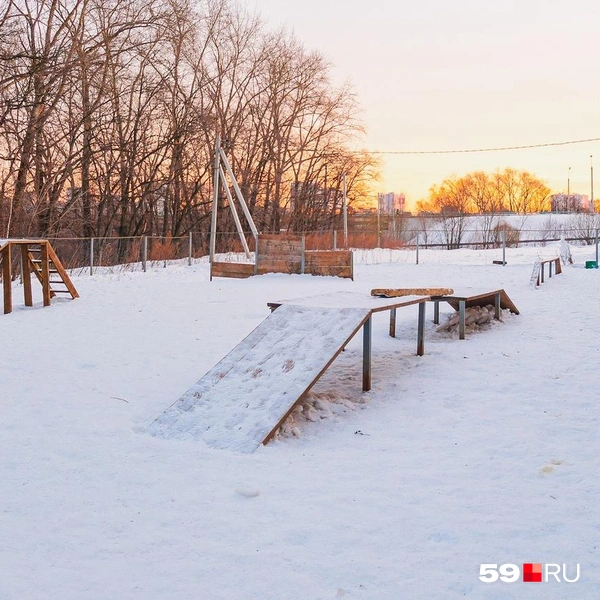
x=498 y=299
x=482 y=300
x=243 y=399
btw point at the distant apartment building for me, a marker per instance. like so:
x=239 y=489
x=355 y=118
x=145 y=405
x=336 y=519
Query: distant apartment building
x=569 y=203
x=391 y=203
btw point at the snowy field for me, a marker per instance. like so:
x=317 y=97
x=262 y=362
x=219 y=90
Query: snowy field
x=481 y=451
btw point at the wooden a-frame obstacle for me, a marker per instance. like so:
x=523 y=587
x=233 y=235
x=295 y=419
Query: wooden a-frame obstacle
x=37 y=257
x=273 y=253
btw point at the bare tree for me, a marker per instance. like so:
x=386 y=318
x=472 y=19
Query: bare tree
x=109 y=112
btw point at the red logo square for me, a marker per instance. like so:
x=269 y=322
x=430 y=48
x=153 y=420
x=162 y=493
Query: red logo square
x=532 y=572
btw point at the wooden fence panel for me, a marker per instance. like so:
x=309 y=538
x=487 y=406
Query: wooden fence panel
x=279 y=254
x=231 y=269
x=330 y=262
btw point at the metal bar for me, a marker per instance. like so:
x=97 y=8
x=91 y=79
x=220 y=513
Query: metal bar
x=303 y=255
x=550 y=269
x=234 y=212
x=461 y=319
x=334 y=239
x=144 y=253
x=542 y=272
x=418 y=236
x=213 y=220
x=503 y=247
x=393 y=322
x=256 y=254
x=367 y=354
x=436 y=312
x=91 y=256
x=190 y=249
x=421 y=330
x=497 y=308
x=238 y=193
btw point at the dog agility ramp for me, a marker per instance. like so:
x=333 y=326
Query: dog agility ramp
x=241 y=401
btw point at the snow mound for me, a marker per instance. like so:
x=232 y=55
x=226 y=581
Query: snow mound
x=315 y=407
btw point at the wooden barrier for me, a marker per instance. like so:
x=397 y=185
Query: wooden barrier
x=280 y=254
x=330 y=262
x=231 y=269
x=286 y=254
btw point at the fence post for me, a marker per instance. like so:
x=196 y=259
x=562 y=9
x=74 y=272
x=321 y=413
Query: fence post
x=596 y=246
x=190 y=248
x=302 y=255
x=256 y=256
x=418 y=236
x=91 y=256
x=503 y=247
x=334 y=239
x=144 y=252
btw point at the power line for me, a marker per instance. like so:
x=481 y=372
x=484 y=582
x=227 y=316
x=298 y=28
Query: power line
x=472 y=150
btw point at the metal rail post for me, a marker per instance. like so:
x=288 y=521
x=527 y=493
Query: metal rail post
x=367 y=335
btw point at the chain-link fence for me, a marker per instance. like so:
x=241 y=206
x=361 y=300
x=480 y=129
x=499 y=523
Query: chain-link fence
x=412 y=234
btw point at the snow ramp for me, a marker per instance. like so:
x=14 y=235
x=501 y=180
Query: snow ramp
x=243 y=399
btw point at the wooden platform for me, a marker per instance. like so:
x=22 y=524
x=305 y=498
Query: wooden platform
x=480 y=300
x=497 y=298
x=242 y=401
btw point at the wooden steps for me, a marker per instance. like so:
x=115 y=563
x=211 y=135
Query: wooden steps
x=37 y=258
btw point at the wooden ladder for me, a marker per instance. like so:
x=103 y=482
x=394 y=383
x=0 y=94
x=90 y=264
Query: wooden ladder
x=46 y=266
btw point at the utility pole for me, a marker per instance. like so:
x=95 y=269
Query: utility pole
x=345 y=211
x=592 y=205
x=569 y=189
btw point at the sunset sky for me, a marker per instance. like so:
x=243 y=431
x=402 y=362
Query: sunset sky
x=434 y=75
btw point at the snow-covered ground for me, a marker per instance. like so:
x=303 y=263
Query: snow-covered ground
x=481 y=451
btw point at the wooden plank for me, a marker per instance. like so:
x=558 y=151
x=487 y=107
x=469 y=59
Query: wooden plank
x=481 y=300
x=62 y=272
x=276 y=246
x=558 y=266
x=398 y=292
x=350 y=300
x=45 y=273
x=229 y=269
x=244 y=398
x=26 y=275
x=284 y=264
x=7 y=278
x=338 y=263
